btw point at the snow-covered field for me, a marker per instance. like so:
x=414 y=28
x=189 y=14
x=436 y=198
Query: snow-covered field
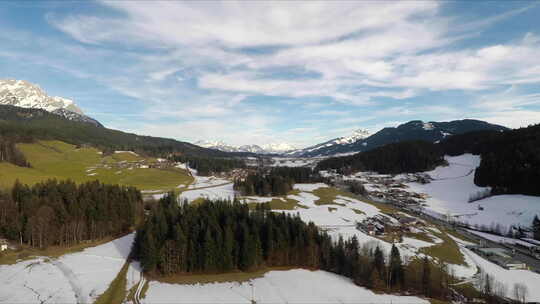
x=509 y=277
x=73 y=278
x=452 y=185
x=216 y=192
x=341 y=219
x=207 y=181
x=291 y=286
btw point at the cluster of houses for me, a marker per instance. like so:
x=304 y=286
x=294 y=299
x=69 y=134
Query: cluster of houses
x=235 y=174
x=391 y=189
x=380 y=224
x=159 y=163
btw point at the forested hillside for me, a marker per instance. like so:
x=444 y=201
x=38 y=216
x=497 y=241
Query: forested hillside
x=414 y=130
x=26 y=125
x=511 y=162
x=412 y=156
x=63 y=213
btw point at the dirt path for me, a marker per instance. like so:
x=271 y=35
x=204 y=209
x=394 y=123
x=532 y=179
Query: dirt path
x=74 y=282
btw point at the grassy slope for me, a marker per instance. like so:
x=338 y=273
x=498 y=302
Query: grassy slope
x=447 y=251
x=55 y=159
x=116 y=293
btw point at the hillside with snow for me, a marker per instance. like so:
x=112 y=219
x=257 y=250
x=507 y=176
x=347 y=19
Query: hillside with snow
x=449 y=192
x=361 y=141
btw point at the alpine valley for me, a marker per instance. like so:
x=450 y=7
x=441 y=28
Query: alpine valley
x=269 y=152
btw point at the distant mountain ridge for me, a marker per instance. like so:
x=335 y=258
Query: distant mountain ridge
x=331 y=144
x=412 y=130
x=276 y=148
x=24 y=94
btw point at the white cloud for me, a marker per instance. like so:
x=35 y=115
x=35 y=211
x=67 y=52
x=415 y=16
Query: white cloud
x=192 y=64
x=512 y=119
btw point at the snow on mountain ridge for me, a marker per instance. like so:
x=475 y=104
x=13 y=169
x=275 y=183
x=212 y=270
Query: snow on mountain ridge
x=264 y=149
x=340 y=141
x=354 y=137
x=24 y=94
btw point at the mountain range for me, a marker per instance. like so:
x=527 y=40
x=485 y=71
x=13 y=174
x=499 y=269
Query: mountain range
x=362 y=140
x=24 y=94
x=276 y=148
x=412 y=130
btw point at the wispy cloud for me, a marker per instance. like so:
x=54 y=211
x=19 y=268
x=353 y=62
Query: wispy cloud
x=254 y=72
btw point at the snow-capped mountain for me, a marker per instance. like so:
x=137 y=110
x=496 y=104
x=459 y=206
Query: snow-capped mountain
x=24 y=94
x=412 y=130
x=333 y=143
x=274 y=148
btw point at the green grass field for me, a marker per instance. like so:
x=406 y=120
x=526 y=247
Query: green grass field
x=447 y=251
x=116 y=293
x=55 y=159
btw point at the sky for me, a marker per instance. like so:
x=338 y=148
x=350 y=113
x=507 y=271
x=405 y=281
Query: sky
x=255 y=72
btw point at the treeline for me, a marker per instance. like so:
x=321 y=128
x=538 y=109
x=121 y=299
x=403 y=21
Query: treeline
x=276 y=181
x=403 y=157
x=224 y=236
x=207 y=165
x=9 y=153
x=472 y=142
x=511 y=162
x=64 y=213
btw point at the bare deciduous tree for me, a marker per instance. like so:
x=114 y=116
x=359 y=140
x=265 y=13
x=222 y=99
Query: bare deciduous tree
x=521 y=292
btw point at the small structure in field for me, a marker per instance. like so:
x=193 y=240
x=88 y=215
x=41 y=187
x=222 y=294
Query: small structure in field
x=3 y=244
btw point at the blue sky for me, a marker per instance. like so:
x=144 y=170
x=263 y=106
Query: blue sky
x=262 y=72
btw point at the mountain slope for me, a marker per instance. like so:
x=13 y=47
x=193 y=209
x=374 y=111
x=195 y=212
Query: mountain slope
x=413 y=130
x=26 y=125
x=59 y=160
x=332 y=144
x=24 y=94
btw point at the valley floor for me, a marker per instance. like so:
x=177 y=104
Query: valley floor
x=82 y=277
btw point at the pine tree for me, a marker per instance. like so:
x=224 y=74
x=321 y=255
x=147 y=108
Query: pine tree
x=536 y=227
x=210 y=252
x=396 y=274
x=149 y=253
x=378 y=261
x=426 y=276
x=227 y=250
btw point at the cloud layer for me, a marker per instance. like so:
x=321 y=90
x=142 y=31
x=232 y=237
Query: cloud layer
x=259 y=72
